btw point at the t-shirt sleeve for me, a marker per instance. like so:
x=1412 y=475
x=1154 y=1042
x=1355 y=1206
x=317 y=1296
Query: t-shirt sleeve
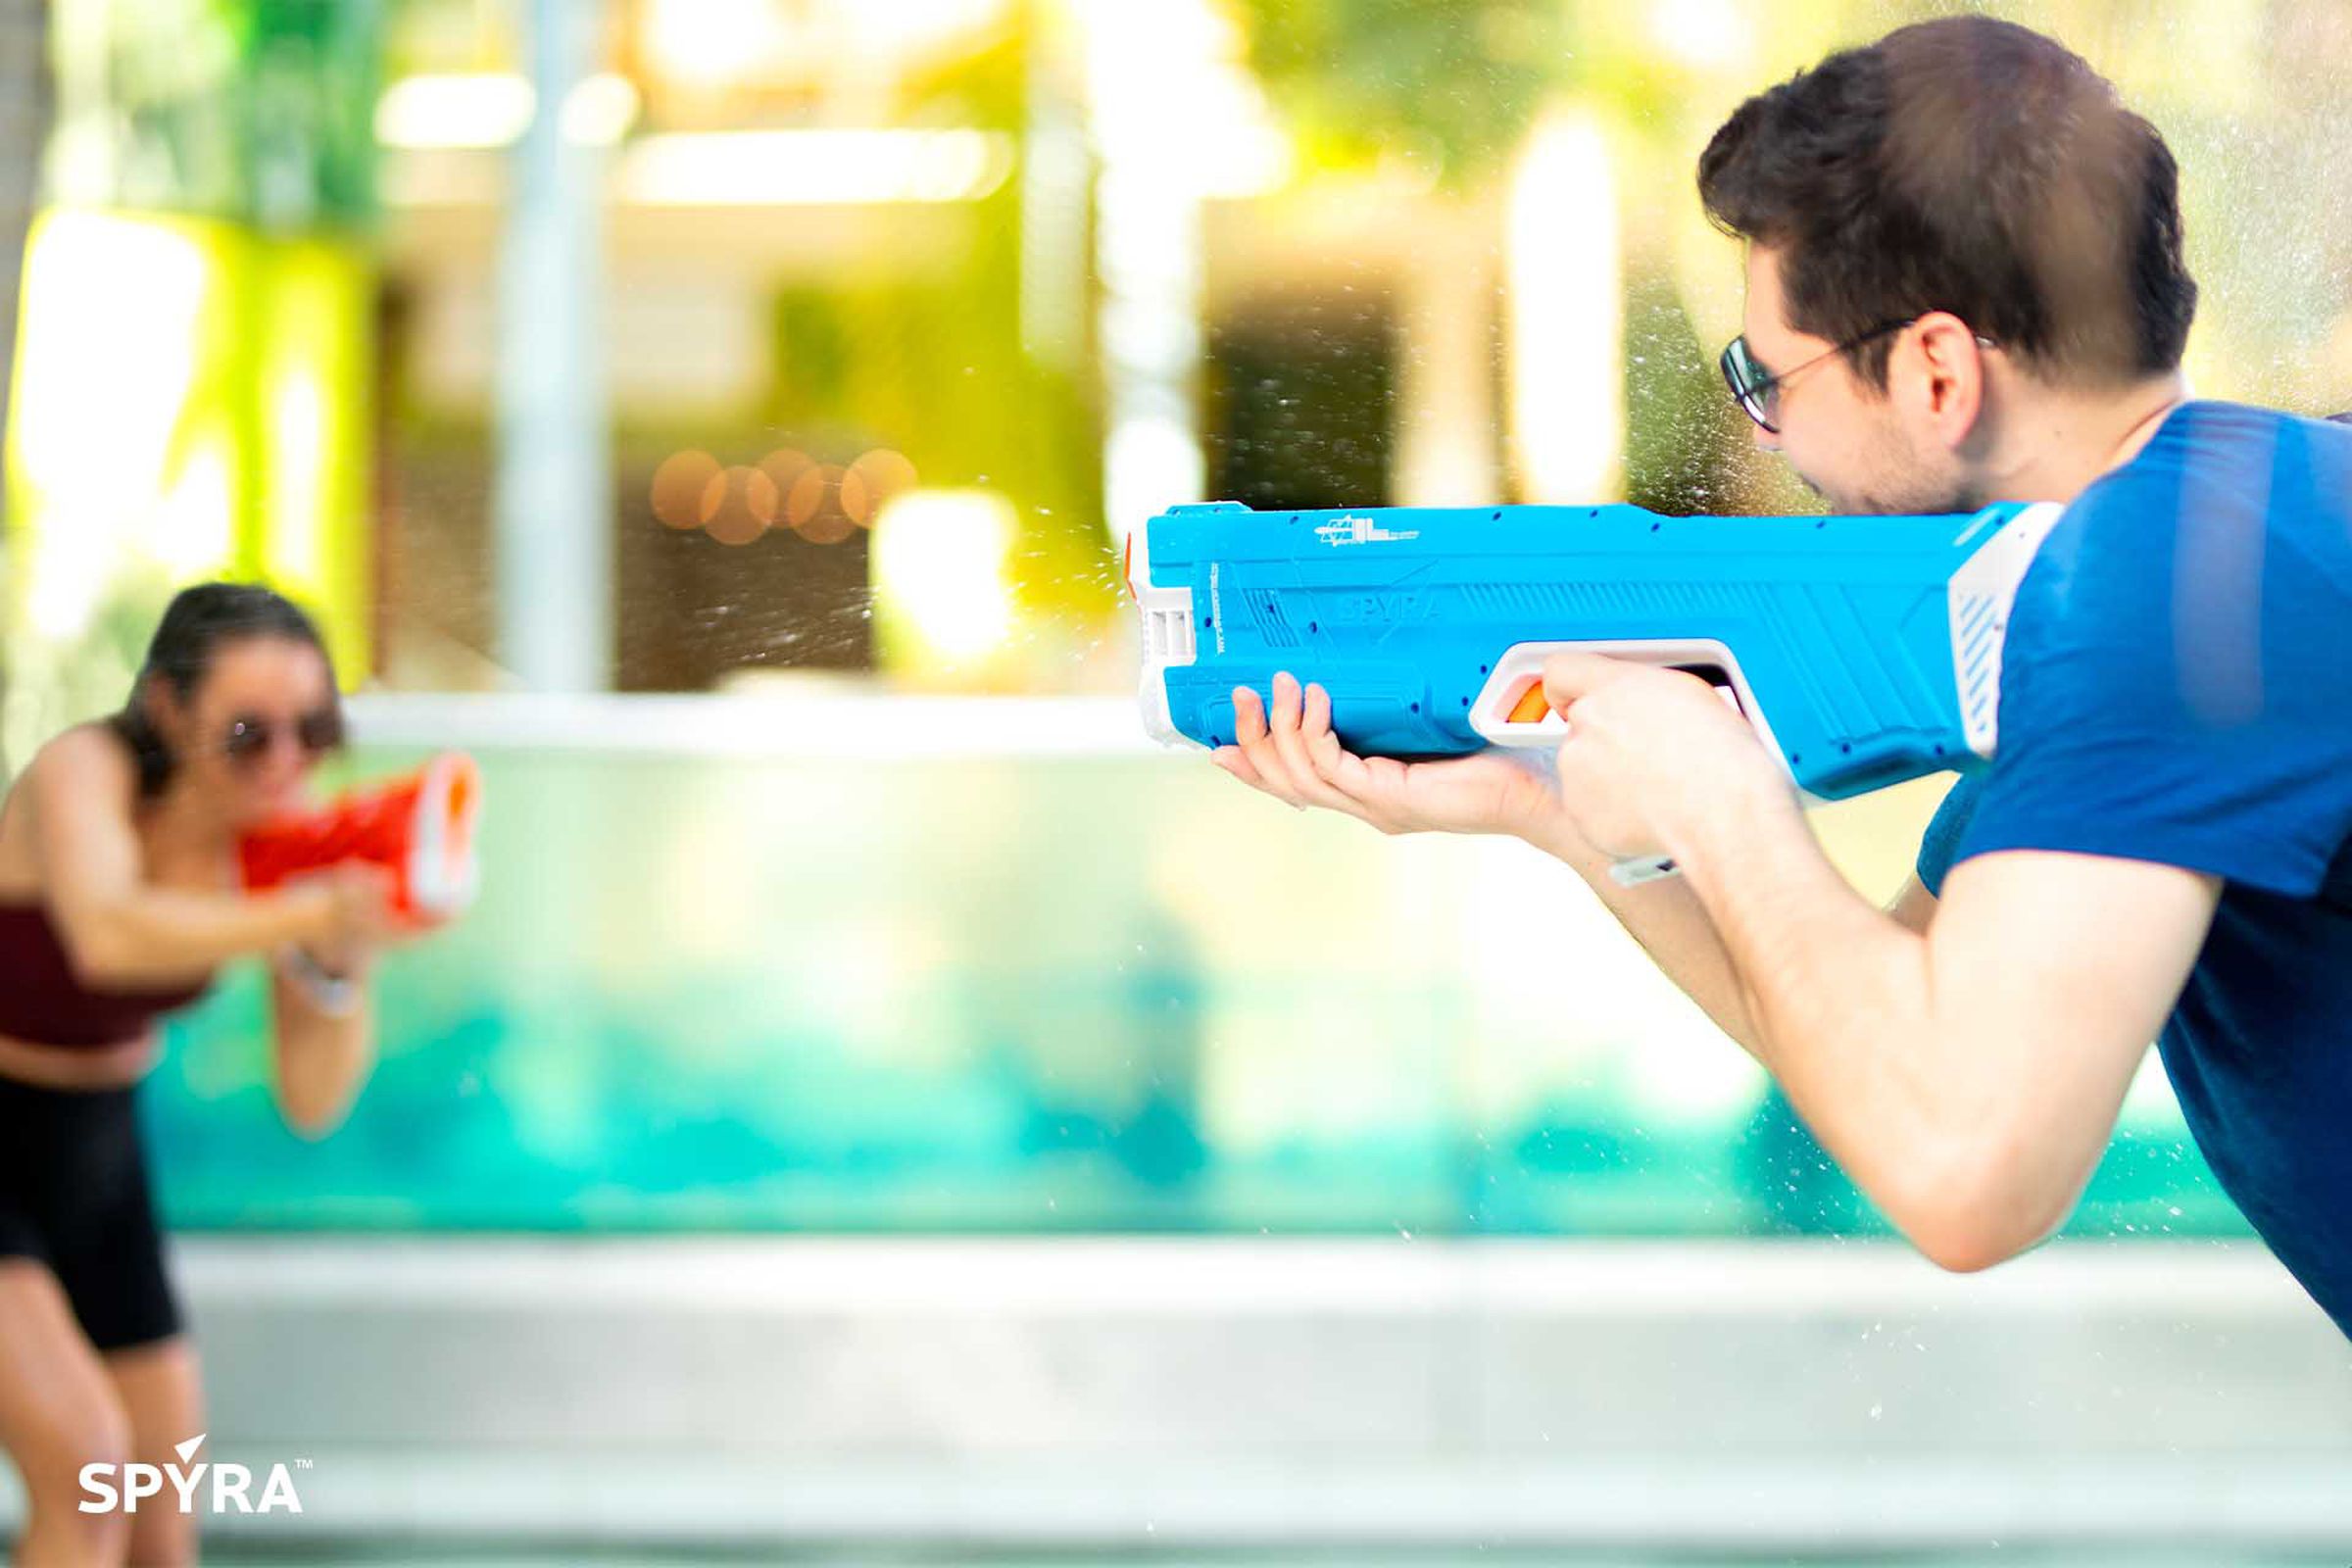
x=2163 y=704
x=1941 y=840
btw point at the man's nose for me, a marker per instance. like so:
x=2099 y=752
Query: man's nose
x=1765 y=440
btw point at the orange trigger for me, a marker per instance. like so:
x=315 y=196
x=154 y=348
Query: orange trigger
x=1532 y=708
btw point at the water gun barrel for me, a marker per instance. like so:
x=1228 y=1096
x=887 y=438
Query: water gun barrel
x=1863 y=649
x=420 y=827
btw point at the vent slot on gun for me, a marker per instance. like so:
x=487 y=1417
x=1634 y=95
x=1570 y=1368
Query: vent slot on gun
x=1168 y=636
x=1977 y=620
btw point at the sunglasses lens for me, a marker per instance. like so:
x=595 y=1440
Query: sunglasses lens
x=248 y=739
x=322 y=731
x=1750 y=386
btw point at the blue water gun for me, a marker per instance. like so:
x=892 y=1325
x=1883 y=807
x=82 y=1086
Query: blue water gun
x=1865 y=650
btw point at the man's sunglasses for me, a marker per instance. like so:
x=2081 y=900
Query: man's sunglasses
x=250 y=736
x=1758 y=390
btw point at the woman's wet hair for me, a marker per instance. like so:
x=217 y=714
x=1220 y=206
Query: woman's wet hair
x=198 y=623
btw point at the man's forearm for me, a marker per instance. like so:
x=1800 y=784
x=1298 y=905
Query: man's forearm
x=1838 y=992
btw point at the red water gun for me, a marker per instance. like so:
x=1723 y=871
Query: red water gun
x=420 y=827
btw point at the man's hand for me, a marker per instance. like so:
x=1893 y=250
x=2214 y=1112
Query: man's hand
x=1652 y=753
x=1293 y=754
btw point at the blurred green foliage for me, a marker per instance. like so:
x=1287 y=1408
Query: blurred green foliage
x=256 y=111
x=1448 y=86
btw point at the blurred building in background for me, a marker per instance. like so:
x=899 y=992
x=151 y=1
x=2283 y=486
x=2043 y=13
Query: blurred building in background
x=590 y=345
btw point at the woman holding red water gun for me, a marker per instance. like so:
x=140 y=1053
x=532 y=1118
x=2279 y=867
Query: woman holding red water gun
x=119 y=896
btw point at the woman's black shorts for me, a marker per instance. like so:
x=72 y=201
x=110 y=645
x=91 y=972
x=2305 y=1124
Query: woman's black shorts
x=75 y=1193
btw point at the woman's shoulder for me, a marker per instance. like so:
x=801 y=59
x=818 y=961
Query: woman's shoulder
x=91 y=757
x=85 y=764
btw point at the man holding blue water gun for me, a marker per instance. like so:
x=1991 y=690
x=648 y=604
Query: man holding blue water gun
x=1965 y=286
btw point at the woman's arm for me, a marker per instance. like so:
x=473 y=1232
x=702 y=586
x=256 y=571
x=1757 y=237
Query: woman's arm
x=324 y=1038
x=117 y=928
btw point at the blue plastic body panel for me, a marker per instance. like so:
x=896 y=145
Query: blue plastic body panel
x=1843 y=628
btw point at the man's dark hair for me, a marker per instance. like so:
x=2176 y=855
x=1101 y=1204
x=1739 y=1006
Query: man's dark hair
x=1970 y=166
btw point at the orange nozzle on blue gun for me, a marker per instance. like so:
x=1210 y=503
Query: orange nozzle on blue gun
x=420 y=827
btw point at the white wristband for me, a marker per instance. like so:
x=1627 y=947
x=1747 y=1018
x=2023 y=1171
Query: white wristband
x=336 y=996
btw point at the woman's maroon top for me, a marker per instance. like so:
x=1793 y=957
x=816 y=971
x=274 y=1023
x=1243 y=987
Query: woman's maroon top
x=44 y=1003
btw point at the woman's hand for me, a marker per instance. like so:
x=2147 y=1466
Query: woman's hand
x=353 y=917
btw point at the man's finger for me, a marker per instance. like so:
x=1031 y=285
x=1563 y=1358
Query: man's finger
x=1354 y=779
x=1294 y=713
x=1234 y=762
x=1376 y=784
x=1285 y=712
x=1251 y=723
x=1248 y=716
x=1323 y=747
x=1569 y=676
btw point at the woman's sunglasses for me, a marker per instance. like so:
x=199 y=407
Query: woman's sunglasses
x=251 y=736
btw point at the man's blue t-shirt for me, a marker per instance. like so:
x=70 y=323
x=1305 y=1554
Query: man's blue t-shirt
x=2176 y=687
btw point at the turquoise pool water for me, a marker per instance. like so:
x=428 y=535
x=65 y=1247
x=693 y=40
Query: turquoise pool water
x=1027 y=994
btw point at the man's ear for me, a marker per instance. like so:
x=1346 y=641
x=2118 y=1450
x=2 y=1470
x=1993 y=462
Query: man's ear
x=1946 y=362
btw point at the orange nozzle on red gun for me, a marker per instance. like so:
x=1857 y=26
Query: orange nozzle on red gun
x=420 y=827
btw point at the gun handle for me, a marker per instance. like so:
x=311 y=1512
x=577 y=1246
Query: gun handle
x=1510 y=709
x=1514 y=711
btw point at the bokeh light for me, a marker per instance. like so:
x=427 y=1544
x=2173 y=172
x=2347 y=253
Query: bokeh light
x=879 y=476
x=823 y=503
x=784 y=467
x=814 y=506
x=738 y=505
x=940 y=559
x=679 y=487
